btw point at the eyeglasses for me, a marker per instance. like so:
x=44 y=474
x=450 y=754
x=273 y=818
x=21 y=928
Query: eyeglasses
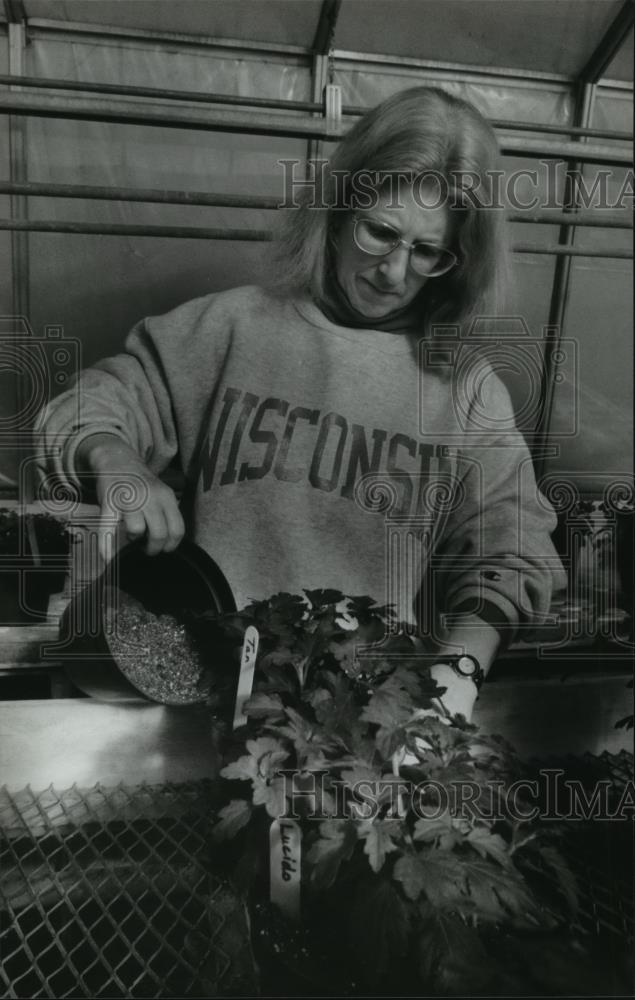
x=379 y=239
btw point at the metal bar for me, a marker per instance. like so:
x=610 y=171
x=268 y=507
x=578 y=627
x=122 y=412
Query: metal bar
x=319 y=80
x=588 y=153
x=158 y=93
x=166 y=37
x=619 y=86
x=19 y=240
x=125 y=112
x=551 y=217
x=329 y=13
x=121 y=229
x=15 y=12
x=559 y=250
x=461 y=69
x=34 y=189
x=609 y=45
x=250 y=235
x=197 y=97
x=560 y=290
x=575 y=130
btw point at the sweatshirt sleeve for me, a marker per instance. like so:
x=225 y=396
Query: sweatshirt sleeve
x=145 y=395
x=496 y=558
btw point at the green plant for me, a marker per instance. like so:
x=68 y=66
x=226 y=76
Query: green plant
x=420 y=888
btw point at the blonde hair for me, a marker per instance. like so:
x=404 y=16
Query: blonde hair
x=422 y=130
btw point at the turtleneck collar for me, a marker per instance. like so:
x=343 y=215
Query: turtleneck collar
x=338 y=310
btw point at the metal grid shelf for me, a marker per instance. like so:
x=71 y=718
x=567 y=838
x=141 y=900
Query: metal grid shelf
x=600 y=851
x=108 y=892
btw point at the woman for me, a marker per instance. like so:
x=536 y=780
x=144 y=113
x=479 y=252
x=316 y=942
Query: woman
x=293 y=407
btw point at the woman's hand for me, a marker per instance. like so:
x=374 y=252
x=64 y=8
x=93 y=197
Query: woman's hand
x=129 y=494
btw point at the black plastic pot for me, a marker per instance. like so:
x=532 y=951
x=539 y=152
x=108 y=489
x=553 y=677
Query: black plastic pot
x=184 y=580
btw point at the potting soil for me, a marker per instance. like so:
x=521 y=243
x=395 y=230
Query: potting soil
x=156 y=652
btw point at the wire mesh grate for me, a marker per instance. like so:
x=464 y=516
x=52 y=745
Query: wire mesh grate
x=109 y=891
x=598 y=850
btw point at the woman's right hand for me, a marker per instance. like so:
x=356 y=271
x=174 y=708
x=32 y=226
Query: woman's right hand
x=129 y=494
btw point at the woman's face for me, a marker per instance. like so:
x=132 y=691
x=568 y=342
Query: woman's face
x=378 y=286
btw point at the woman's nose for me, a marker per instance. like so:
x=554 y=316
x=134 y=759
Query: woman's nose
x=394 y=266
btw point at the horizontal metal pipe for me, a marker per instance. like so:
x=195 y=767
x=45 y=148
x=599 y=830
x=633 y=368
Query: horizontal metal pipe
x=565 y=150
x=35 y=189
x=537 y=77
x=560 y=250
x=251 y=235
x=124 y=229
x=311 y=107
x=595 y=133
x=87 y=192
x=598 y=219
x=173 y=116
x=125 y=112
x=160 y=94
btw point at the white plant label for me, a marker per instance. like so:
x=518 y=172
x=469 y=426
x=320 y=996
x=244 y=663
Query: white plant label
x=285 y=858
x=246 y=675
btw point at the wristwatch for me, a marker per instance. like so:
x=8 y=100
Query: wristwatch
x=465 y=666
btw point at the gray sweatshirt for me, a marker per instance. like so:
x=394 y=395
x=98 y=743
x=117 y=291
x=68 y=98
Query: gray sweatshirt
x=317 y=455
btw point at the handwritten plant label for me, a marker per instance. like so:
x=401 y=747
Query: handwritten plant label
x=246 y=675
x=285 y=857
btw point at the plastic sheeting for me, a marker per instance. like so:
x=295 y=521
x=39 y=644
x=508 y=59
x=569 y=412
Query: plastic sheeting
x=5 y=238
x=537 y=35
x=597 y=402
x=109 y=282
x=8 y=384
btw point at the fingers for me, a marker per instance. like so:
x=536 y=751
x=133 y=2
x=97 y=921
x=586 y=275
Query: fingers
x=164 y=523
x=158 y=520
x=174 y=522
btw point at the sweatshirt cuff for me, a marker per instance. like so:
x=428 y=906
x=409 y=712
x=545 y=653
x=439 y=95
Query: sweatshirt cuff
x=57 y=455
x=492 y=614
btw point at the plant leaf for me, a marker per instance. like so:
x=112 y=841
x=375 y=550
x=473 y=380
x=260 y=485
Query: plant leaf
x=551 y=858
x=340 y=714
x=501 y=896
x=379 y=929
x=263 y=745
x=262 y=705
x=379 y=837
x=243 y=769
x=270 y=793
x=336 y=844
x=437 y=873
x=322 y=598
x=451 y=957
x=489 y=844
x=233 y=817
x=429 y=830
